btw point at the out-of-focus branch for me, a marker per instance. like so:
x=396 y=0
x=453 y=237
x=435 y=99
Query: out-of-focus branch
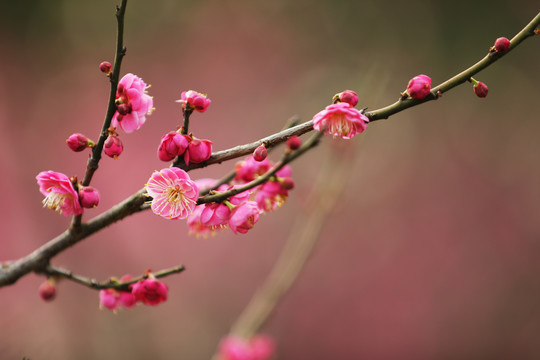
x=112 y=283
x=301 y=241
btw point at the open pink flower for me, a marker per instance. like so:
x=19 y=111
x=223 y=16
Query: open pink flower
x=419 y=87
x=195 y=100
x=244 y=217
x=60 y=195
x=133 y=103
x=197 y=227
x=340 y=119
x=260 y=347
x=150 y=291
x=248 y=169
x=174 y=194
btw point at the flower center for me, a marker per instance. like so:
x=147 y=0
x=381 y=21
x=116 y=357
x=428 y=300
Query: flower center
x=176 y=198
x=340 y=126
x=54 y=201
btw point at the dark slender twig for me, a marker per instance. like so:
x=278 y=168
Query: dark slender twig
x=39 y=258
x=93 y=162
x=111 y=283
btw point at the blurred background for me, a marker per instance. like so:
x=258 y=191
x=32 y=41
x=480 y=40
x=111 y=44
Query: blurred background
x=432 y=253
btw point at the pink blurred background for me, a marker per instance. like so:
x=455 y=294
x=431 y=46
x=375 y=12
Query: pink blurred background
x=433 y=252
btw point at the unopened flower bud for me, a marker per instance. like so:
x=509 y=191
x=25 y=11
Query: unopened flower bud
x=419 y=87
x=172 y=145
x=47 y=290
x=78 y=142
x=502 y=45
x=89 y=197
x=199 y=150
x=260 y=153
x=113 y=146
x=105 y=67
x=347 y=96
x=294 y=142
x=480 y=89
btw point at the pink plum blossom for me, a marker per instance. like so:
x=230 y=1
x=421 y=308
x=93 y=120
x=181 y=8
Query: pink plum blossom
x=260 y=347
x=172 y=144
x=113 y=298
x=340 y=119
x=274 y=193
x=198 y=151
x=419 y=87
x=174 y=194
x=150 y=291
x=195 y=100
x=197 y=227
x=244 y=217
x=249 y=168
x=89 y=197
x=60 y=195
x=133 y=103
x=215 y=215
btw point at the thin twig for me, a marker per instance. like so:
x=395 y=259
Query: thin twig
x=111 y=283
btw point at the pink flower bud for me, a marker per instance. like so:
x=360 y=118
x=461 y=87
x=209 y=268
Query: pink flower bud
x=294 y=142
x=195 y=100
x=502 y=45
x=480 y=89
x=347 y=96
x=113 y=146
x=47 y=290
x=260 y=153
x=260 y=347
x=105 y=67
x=419 y=87
x=172 y=144
x=89 y=197
x=77 y=142
x=198 y=151
x=150 y=291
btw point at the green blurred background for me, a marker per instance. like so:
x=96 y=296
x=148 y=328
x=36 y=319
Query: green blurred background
x=433 y=251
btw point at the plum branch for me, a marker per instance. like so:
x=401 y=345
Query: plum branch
x=38 y=260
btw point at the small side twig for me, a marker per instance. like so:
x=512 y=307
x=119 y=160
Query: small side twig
x=111 y=283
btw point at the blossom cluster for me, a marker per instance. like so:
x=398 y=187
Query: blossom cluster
x=148 y=291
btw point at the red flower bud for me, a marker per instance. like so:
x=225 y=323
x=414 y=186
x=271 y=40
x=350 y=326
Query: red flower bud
x=260 y=153
x=47 y=291
x=502 y=45
x=480 y=89
x=77 y=142
x=294 y=142
x=347 y=96
x=105 y=67
x=113 y=147
x=89 y=197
